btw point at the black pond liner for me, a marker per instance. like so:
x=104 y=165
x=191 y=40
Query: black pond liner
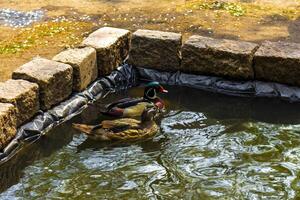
x=126 y=77
x=121 y=79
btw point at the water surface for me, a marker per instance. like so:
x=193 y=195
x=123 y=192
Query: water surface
x=210 y=146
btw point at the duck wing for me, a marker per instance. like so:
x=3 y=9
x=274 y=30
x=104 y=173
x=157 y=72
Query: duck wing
x=124 y=103
x=119 y=123
x=130 y=103
x=137 y=110
x=119 y=129
x=87 y=129
x=134 y=133
x=126 y=107
x=108 y=107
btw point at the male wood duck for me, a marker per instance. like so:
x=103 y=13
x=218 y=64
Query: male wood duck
x=124 y=129
x=133 y=107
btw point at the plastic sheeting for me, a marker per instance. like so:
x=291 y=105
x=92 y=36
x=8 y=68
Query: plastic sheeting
x=121 y=79
x=127 y=76
x=224 y=86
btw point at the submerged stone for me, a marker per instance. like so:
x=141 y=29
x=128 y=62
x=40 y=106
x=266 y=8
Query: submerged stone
x=54 y=79
x=23 y=95
x=155 y=49
x=112 y=46
x=220 y=57
x=83 y=61
x=279 y=62
x=7 y=123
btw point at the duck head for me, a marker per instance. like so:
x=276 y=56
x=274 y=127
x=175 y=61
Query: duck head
x=152 y=89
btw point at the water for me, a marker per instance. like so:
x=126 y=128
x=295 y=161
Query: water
x=210 y=147
x=15 y=18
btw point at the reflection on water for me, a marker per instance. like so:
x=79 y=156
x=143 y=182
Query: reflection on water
x=210 y=147
x=14 y=18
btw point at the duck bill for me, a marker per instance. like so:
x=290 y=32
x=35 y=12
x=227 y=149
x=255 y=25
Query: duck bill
x=163 y=90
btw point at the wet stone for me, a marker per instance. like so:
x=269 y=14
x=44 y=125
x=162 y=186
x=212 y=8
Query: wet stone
x=112 y=46
x=7 y=123
x=220 y=57
x=155 y=49
x=279 y=62
x=54 y=79
x=23 y=95
x=83 y=61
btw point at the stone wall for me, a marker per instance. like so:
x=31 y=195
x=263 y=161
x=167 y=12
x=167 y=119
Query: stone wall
x=43 y=83
x=270 y=61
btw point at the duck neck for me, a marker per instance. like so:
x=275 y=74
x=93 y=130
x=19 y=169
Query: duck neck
x=145 y=117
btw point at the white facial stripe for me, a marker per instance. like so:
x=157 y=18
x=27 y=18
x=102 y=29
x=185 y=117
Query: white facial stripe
x=151 y=93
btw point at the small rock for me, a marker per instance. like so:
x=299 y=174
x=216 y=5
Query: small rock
x=23 y=95
x=54 y=79
x=279 y=62
x=7 y=123
x=112 y=46
x=83 y=61
x=155 y=49
x=220 y=57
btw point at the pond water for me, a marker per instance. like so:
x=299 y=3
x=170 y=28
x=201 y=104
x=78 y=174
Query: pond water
x=210 y=146
x=14 y=18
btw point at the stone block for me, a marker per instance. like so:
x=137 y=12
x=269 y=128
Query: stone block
x=54 y=79
x=279 y=62
x=155 y=49
x=7 y=123
x=83 y=61
x=112 y=46
x=23 y=95
x=219 y=57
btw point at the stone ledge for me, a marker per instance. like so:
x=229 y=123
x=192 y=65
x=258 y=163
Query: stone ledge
x=220 y=57
x=83 y=61
x=155 y=49
x=54 y=79
x=272 y=61
x=279 y=62
x=7 y=123
x=112 y=46
x=24 y=95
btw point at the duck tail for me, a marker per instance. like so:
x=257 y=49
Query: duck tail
x=87 y=129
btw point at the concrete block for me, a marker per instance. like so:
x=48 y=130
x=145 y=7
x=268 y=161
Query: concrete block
x=155 y=49
x=220 y=57
x=23 y=95
x=83 y=61
x=7 y=123
x=54 y=79
x=112 y=46
x=279 y=62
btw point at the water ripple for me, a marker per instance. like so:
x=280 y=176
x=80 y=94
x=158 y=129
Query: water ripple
x=195 y=156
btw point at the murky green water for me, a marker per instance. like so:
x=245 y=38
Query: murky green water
x=210 y=147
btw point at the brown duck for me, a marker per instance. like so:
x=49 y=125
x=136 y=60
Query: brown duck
x=124 y=129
